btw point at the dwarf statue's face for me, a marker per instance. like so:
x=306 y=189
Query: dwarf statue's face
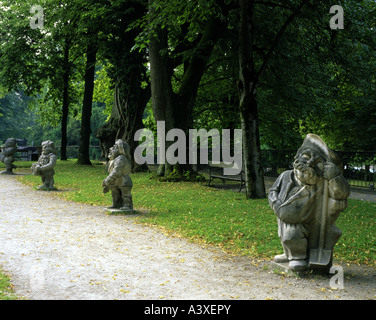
x=114 y=152
x=308 y=167
x=47 y=149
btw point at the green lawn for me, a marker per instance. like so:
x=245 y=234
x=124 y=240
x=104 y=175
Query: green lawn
x=207 y=215
x=6 y=291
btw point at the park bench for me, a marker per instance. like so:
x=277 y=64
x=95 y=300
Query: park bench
x=216 y=172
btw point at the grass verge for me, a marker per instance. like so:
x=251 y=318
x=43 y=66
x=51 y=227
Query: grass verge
x=6 y=290
x=212 y=216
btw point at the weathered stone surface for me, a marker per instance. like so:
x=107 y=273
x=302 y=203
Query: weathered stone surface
x=45 y=166
x=118 y=181
x=307 y=201
x=7 y=155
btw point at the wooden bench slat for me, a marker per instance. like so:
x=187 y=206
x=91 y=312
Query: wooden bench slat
x=218 y=174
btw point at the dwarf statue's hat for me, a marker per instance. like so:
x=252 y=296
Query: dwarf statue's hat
x=124 y=148
x=316 y=144
x=51 y=145
x=10 y=142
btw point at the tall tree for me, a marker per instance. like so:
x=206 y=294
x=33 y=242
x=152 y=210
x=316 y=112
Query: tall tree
x=127 y=68
x=42 y=61
x=84 y=149
x=92 y=30
x=248 y=104
x=256 y=52
x=16 y=119
x=172 y=25
x=348 y=123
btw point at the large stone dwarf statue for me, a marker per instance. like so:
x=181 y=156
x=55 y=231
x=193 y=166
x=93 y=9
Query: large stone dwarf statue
x=7 y=157
x=307 y=201
x=118 y=181
x=45 y=165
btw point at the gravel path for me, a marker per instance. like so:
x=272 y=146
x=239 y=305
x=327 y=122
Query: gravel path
x=54 y=249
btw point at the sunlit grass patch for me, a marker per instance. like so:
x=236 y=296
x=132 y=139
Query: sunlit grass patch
x=207 y=215
x=6 y=290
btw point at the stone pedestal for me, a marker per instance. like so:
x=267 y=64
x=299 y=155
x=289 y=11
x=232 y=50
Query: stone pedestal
x=119 y=211
x=7 y=172
x=284 y=267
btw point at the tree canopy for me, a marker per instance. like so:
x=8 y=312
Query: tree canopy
x=274 y=69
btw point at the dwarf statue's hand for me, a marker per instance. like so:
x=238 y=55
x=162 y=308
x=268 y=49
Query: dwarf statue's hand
x=36 y=169
x=105 y=186
x=277 y=204
x=330 y=171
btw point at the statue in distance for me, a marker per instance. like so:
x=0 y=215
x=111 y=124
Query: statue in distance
x=7 y=155
x=45 y=165
x=118 y=181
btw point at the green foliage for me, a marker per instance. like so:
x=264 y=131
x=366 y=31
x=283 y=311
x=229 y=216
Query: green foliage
x=177 y=174
x=46 y=61
x=104 y=89
x=20 y=122
x=341 y=85
x=16 y=120
x=318 y=80
x=183 y=19
x=217 y=104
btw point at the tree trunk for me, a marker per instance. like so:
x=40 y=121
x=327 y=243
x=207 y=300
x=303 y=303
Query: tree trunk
x=128 y=72
x=65 y=108
x=125 y=120
x=194 y=70
x=161 y=90
x=176 y=109
x=255 y=187
x=131 y=103
x=84 y=150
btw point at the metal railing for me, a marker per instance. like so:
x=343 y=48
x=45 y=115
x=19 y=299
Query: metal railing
x=359 y=167
x=72 y=152
x=32 y=153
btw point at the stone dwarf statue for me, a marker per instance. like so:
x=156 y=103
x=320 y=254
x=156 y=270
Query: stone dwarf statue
x=45 y=165
x=297 y=199
x=7 y=155
x=118 y=180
